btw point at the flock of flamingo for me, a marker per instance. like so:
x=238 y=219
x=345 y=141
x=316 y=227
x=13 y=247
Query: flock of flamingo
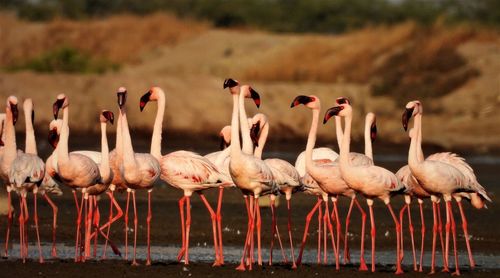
x=319 y=172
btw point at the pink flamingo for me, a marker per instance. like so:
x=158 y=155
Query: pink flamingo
x=371 y=181
x=189 y=172
x=443 y=174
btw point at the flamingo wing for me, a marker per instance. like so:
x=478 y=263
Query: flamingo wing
x=26 y=169
x=318 y=154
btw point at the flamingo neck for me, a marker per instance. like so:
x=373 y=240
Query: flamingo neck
x=222 y=156
x=157 y=129
x=128 y=150
x=245 y=129
x=235 y=136
x=415 y=145
x=338 y=131
x=420 y=152
x=119 y=137
x=262 y=141
x=346 y=142
x=30 y=146
x=10 y=147
x=311 y=139
x=368 y=139
x=62 y=146
x=104 y=166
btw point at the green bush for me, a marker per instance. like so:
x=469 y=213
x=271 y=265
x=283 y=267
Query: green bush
x=68 y=60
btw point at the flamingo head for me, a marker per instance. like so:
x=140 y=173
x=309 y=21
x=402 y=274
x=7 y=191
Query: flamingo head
x=257 y=123
x=341 y=110
x=249 y=92
x=107 y=116
x=412 y=109
x=233 y=85
x=54 y=128
x=225 y=137
x=342 y=100
x=311 y=101
x=12 y=106
x=370 y=118
x=122 y=96
x=60 y=103
x=152 y=95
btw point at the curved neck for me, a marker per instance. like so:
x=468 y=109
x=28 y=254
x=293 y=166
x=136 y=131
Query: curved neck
x=235 y=134
x=62 y=146
x=311 y=139
x=245 y=129
x=338 y=131
x=346 y=141
x=222 y=156
x=368 y=138
x=415 y=154
x=420 y=152
x=10 y=147
x=128 y=150
x=104 y=166
x=30 y=146
x=262 y=141
x=119 y=137
x=157 y=129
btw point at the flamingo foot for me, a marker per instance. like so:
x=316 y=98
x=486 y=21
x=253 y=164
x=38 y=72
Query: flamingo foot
x=217 y=263
x=399 y=271
x=241 y=267
x=363 y=266
x=456 y=273
x=445 y=269
x=135 y=263
x=148 y=262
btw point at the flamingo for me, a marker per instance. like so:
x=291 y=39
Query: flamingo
x=189 y=172
x=447 y=175
x=138 y=171
x=74 y=170
x=327 y=175
x=286 y=177
x=370 y=180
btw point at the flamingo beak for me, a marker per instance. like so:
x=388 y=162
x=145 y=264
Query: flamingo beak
x=334 y=111
x=53 y=137
x=122 y=98
x=56 y=107
x=255 y=96
x=144 y=100
x=230 y=83
x=32 y=116
x=254 y=134
x=15 y=113
x=406 y=117
x=109 y=116
x=342 y=100
x=300 y=100
x=373 y=132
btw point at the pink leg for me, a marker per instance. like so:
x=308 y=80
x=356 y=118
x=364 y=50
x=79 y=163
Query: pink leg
x=399 y=270
x=412 y=239
x=21 y=229
x=88 y=226
x=338 y=226
x=273 y=229
x=306 y=230
x=283 y=255
x=183 y=228
x=134 y=261
x=97 y=219
x=25 y=228
x=444 y=247
x=78 y=223
x=219 y=225
x=330 y=229
x=423 y=236
x=126 y=225
x=362 y=265
x=372 y=232
x=453 y=231
x=188 y=228
x=36 y=228
x=401 y=221
x=252 y=231
x=347 y=257
x=466 y=235
x=320 y=218
x=213 y=217
x=148 y=220
x=109 y=221
x=9 y=223
x=241 y=267
x=434 y=235
x=54 y=224
x=325 y=236
x=290 y=232
x=258 y=224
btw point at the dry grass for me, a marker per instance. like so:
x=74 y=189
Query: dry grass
x=119 y=39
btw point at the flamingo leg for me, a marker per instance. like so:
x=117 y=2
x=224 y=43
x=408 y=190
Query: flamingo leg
x=219 y=225
x=95 y=224
x=434 y=235
x=36 y=228
x=347 y=257
x=188 y=228
x=362 y=266
x=325 y=237
x=339 y=230
x=330 y=229
x=241 y=267
x=126 y=223
x=21 y=229
x=372 y=233
x=134 y=261
x=453 y=231
x=306 y=230
x=289 y=207
x=88 y=227
x=213 y=217
x=399 y=270
x=259 y=225
x=9 y=222
x=25 y=228
x=283 y=255
x=401 y=222
x=109 y=221
x=273 y=229
x=466 y=235
x=54 y=224
x=423 y=235
x=148 y=220
x=251 y=237
x=320 y=216
x=444 y=249
x=412 y=239
x=183 y=228
x=78 y=223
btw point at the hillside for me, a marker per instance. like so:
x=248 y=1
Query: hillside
x=455 y=71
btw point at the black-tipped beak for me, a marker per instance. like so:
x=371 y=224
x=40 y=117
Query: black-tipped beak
x=53 y=138
x=230 y=83
x=144 y=100
x=255 y=96
x=109 y=116
x=32 y=116
x=342 y=100
x=15 y=113
x=122 y=98
x=300 y=100
x=373 y=132
x=56 y=106
x=334 y=111
x=254 y=134
x=406 y=117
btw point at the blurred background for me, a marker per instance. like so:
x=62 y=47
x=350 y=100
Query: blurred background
x=379 y=53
